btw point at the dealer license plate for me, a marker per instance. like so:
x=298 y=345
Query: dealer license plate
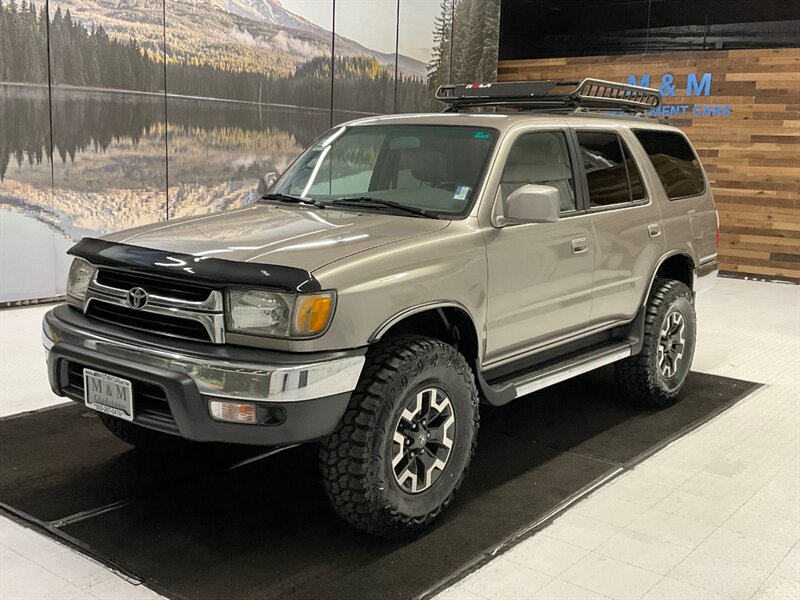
x=108 y=394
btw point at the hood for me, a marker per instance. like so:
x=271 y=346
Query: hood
x=279 y=235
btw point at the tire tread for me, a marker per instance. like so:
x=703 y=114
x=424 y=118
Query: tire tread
x=636 y=378
x=347 y=468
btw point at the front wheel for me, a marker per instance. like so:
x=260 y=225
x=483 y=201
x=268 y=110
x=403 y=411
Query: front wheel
x=656 y=375
x=403 y=446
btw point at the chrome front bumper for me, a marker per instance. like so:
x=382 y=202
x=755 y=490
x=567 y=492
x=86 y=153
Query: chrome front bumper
x=297 y=397
x=215 y=377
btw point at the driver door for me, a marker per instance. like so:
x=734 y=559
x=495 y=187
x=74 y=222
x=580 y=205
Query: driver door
x=540 y=274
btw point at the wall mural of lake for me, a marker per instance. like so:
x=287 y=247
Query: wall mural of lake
x=160 y=109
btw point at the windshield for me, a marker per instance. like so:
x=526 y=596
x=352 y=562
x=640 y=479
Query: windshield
x=436 y=168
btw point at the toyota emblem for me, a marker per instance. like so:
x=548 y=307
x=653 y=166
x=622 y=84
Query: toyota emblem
x=137 y=298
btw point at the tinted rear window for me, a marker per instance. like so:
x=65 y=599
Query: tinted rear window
x=674 y=161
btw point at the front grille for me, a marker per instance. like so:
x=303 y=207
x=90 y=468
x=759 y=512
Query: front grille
x=158 y=286
x=150 y=406
x=147 y=321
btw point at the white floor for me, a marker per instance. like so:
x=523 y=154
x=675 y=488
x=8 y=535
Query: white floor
x=714 y=515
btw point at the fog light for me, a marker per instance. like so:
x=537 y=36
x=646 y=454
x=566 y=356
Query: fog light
x=232 y=412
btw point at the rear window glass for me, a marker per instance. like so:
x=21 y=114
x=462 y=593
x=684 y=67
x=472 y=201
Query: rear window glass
x=674 y=161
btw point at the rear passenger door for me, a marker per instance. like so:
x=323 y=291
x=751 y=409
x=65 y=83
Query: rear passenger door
x=625 y=220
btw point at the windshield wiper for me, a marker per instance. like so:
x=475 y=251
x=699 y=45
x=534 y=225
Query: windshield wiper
x=378 y=202
x=293 y=199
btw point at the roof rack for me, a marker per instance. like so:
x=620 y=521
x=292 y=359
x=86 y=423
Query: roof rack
x=550 y=95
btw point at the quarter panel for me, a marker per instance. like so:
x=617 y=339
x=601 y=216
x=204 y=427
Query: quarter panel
x=689 y=224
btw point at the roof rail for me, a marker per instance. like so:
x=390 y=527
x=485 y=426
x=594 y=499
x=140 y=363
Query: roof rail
x=550 y=95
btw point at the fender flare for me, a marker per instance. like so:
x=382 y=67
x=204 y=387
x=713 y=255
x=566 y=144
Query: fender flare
x=660 y=262
x=381 y=330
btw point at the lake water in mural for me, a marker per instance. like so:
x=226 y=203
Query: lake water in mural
x=109 y=170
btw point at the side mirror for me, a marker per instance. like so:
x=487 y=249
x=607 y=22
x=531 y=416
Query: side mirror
x=265 y=182
x=532 y=204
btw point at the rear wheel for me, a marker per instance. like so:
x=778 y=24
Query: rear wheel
x=403 y=446
x=656 y=375
x=135 y=435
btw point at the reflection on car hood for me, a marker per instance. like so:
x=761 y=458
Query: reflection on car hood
x=279 y=235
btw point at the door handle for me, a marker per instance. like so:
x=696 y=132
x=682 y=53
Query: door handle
x=580 y=246
x=654 y=230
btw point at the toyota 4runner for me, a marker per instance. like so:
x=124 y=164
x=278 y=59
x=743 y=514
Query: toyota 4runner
x=402 y=271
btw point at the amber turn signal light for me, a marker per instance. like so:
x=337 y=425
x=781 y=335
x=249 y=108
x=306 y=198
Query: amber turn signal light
x=312 y=313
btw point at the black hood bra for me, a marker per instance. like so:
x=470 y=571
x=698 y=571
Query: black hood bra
x=214 y=272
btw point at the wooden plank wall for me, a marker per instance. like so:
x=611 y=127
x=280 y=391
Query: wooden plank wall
x=752 y=157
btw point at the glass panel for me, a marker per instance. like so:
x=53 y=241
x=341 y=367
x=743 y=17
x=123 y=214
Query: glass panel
x=543 y=159
x=637 y=189
x=34 y=237
x=109 y=161
x=605 y=168
x=437 y=168
x=674 y=161
x=348 y=167
x=364 y=58
x=476 y=33
x=559 y=28
x=424 y=29
x=248 y=89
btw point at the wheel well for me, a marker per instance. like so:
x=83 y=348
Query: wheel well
x=449 y=324
x=679 y=267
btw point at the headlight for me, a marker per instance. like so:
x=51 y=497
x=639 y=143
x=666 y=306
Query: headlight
x=80 y=275
x=276 y=314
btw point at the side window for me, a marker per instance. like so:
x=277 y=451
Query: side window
x=674 y=161
x=543 y=159
x=611 y=174
x=637 y=188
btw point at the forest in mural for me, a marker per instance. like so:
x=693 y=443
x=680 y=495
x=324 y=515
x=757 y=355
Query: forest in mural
x=146 y=110
x=89 y=57
x=466 y=37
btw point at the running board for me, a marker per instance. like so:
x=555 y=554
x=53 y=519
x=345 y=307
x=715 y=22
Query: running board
x=565 y=369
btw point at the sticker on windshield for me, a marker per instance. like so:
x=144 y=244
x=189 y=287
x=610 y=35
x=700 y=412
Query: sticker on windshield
x=481 y=135
x=461 y=192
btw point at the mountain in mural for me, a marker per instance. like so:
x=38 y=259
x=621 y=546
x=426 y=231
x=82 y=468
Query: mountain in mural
x=259 y=36
x=269 y=11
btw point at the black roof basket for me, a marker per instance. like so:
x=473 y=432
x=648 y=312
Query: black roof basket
x=550 y=95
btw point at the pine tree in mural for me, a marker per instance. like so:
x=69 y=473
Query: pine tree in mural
x=465 y=42
x=23 y=49
x=439 y=66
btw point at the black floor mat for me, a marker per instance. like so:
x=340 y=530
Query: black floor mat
x=192 y=528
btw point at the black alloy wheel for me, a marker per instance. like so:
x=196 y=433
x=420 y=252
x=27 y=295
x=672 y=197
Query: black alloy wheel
x=423 y=440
